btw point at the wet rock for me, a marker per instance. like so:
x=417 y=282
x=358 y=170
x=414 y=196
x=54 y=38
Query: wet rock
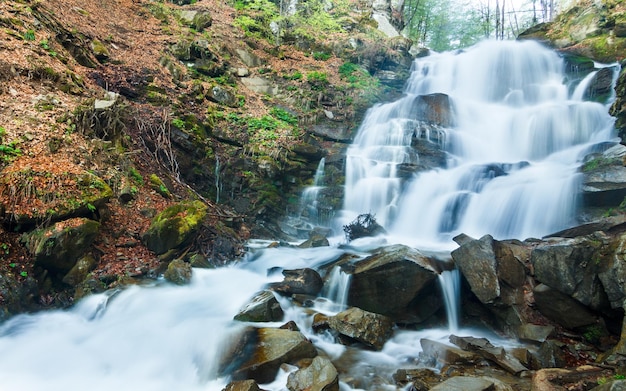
x=441 y=354
x=535 y=333
x=551 y=354
x=266 y=350
x=242 y=385
x=263 y=307
x=320 y=375
x=80 y=270
x=398 y=282
x=175 y=226
x=605 y=186
x=485 y=349
x=366 y=327
x=58 y=248
x=178 y=272
x=571 y=266
x=18 y=294
x=477 y=262
x=433 y=108
x=419 y=378
x=562 y=308
x=613 y=273
x=315 y=240
x=299 y=281
x=465 y=383
x=601 y=85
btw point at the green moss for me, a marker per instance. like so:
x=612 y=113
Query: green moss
x=159 y=186
x=175 y=226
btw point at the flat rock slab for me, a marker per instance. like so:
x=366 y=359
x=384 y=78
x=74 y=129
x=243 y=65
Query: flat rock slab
x=464 y=383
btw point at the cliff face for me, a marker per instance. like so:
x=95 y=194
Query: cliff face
x=116 y=110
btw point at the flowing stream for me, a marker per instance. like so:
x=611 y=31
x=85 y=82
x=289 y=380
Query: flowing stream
x=519 y=135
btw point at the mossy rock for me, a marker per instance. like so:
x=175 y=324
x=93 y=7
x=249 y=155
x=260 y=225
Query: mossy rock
x=175 y=226
x=178 y=272
x=34 y=195
x=58 y=247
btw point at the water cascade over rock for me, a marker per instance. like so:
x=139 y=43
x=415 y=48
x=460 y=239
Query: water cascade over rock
x=514 y=131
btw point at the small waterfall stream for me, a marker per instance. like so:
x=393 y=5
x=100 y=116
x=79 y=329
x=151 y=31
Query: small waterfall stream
x=513 y=154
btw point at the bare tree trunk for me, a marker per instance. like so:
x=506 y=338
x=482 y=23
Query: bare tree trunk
x=502 y=23
x=497 y=19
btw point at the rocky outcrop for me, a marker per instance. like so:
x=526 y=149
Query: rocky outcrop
x=604 y=178
x=58 y=247
x=299 y=281
x=398 y=282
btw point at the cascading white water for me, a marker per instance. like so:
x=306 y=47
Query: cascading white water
x=450 y=283
x=514 y=150
x=336 y=290
x=308 y=201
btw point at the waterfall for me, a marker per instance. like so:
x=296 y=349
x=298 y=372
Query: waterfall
x=218 y=183
x=514 y=142
x=336 y=290
x=309 y=205
x=450 y=283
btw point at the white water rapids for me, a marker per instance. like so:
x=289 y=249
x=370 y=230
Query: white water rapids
x=519 y=138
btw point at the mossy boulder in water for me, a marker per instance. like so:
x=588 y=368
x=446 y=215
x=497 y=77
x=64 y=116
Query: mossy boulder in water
x=174 y=226
x=58 y=247
x=178 y=272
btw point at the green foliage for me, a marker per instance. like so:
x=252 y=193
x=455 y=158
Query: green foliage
x=318 y=80
x=284 y=116
x=322 y=56
x=179 y=123
x=296 y=75
x=8 y=151
x=29 y=35
x=4 y=251
x=135 y=176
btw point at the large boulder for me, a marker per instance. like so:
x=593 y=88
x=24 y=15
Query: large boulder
x=178 y=272
x=366 y=327
x=435 y=109
x=320 y=375
x=57 y=248
x=264 y=350
x=175 y=226
x=398 y=282
x=561 y=308
x=33 y=195
x=604 y=178
x=477 y=262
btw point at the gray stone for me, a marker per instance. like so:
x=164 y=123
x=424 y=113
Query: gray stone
x=178 y=272
x=366 y=327
x=484 y=348
x=613 y=274
x=242 y=385
x=265 y=350
x=465 y=383
x=571 y=266
x=615 y=385
x=299 y=281
x=80 y=270
x=260 y=85
x=398 y=282
x=443 y=354
x=534 y=332
x=263 y=307
x=561 y=308
x=477 y=262
x=222 y=95
x=250 y=59
x=320 y=375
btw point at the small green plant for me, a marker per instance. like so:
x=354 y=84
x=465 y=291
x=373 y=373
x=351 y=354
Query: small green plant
x=24 y=274
x=29 y=35
x=284 y=116
x=322 y=56
x=8 y=151
x=297 y=75
x=135 y=175
x=179 y=123
x=318 y=80
x=92 y=208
